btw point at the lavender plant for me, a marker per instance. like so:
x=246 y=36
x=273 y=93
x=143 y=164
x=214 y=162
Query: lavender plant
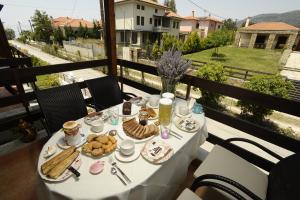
x=171 y=65
x=170 y=68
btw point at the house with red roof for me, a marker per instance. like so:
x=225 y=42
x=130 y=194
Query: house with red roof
x=268 y=35
x=139 y=21
x=202 y=25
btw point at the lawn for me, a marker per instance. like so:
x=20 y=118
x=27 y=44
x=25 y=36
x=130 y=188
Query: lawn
x=253 y=59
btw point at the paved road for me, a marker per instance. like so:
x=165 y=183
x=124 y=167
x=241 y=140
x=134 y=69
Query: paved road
x=293 y=62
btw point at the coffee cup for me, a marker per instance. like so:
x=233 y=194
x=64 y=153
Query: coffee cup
x=71 y=130
x=153 y=101
x=97 y=125
x=127 y=147
x=183 y=110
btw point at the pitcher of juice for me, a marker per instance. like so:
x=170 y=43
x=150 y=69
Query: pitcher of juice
x=165 y=116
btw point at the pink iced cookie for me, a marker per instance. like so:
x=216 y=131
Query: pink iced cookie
x=97 y=167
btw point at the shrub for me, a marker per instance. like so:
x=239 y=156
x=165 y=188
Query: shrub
x=268 y=84
x=169 y=41
x=192 y=44
x=155 y=50
x=213 y=71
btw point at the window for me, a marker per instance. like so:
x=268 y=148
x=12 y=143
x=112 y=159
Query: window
x=159 y=22
x=155 y=22
x=150 y=21
x=197 y=25
x=174 y=24
x=143 y=7
x=219 y=26
x=137 y=20
x=142 y=21
x=134 y=37
x=156 y=10
x=138 y=6
x=177 y=25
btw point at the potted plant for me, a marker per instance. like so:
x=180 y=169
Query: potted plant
x=170 y=68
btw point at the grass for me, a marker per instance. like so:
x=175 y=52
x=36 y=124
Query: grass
x=253 y=59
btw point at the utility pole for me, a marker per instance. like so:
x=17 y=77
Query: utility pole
x=30 y=25
x=20 y=26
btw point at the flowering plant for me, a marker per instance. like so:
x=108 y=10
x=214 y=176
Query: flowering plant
x=171 y=65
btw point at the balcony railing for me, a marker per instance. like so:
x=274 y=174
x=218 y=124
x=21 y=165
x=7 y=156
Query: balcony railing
x=161 y=29
x=24 y=75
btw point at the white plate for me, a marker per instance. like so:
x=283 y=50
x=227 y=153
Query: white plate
x=130 y=158
x=183 y=116
x=134 y=110
x=104 y=117
x=123 y=136
x=149 y=106
x=62 y=143
x=76 y=164
x=178 y=124
x=163 y=155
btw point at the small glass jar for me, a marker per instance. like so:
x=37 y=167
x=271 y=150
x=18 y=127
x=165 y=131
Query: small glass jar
x=143 y=118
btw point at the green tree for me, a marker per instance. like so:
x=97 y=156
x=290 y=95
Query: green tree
x=156 y=50
x=58 y=36
x=81 y=32
x=25 y=36
x=10 y=34
x=192 y=44
x=229 y=24
x=274 y=85
x=213 y=71
x=69 y=32
x=169 y=41
x=42 y=26
x=171 y=4
x=217 y=39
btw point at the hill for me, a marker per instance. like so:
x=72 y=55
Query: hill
x=292 y=18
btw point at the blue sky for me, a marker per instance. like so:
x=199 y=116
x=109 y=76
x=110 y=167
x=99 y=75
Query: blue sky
x=22 y=10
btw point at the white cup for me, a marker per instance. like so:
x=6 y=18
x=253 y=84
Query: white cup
x=153 y=101
x=183 y=110
x=72 y=133
x=168 y=95
x=97 y=125
x=127 y=147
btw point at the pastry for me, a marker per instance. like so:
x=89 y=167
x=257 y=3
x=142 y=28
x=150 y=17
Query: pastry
x=47 y=166
x=103 y=139
x=100 y=145
x=91 y=137
x=97 y=152
x=127 y=108
x=62 y=166
x=88 y=147
x=96 y=145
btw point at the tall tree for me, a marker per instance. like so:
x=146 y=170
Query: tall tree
x=10 y=34
x=58 y=36
x=171 y=4
x=42 y=26
x=229 y=24
x=69 y=33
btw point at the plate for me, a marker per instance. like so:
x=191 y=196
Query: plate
x=88 y=120
x=134 y=110
x=157 y=151
x=184 y=116
x=62 y=143
x=76 y=164
x=120 y=157
x=187 y=124
x=123 y=136
x=157 y=114
x=149 y=106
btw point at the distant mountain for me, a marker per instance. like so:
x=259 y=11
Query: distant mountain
x=292 y=18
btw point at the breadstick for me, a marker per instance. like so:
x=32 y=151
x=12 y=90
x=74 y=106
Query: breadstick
x=62 y=166
x=47 y=166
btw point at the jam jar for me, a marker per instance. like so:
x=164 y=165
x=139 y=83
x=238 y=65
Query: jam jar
x=143 y=118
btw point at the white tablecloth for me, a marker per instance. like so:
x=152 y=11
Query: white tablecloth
x=149 y=181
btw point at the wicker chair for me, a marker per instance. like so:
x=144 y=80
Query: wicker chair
x=61 y=104
x=106 y=92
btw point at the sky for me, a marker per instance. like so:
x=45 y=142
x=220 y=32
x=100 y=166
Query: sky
x=22 y=10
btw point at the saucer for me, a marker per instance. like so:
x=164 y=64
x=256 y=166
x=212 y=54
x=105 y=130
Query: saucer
x=184 y=116
x=62 y=143
x=130 y=158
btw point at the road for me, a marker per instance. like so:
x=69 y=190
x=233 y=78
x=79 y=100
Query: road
x=218 y=129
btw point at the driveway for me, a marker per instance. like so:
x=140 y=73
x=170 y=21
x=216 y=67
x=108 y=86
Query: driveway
x=292 y=67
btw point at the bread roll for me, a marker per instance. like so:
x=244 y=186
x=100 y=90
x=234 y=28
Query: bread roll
x=62 y=166
x=47 y=166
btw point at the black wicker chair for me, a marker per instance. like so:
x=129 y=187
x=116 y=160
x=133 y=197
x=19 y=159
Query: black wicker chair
x=61 y=104
x=106 y=92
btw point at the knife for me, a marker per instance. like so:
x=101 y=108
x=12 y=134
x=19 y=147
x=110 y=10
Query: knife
x=74 y=171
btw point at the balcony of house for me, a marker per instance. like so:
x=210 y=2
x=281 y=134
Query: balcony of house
x=162 y=24
x=233 y=158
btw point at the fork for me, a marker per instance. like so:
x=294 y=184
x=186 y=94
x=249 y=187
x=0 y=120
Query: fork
x=114 y=164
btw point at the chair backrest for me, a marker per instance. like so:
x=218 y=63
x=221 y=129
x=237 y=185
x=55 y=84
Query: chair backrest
x=105 y=91
x=61 y=104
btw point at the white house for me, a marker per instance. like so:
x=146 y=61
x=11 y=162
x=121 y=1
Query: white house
x=140 y=20
x=202 y=25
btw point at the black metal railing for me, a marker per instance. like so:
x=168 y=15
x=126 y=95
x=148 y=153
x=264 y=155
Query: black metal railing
x=24 y=75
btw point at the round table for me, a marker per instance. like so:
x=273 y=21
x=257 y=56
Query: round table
x=149 y=181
